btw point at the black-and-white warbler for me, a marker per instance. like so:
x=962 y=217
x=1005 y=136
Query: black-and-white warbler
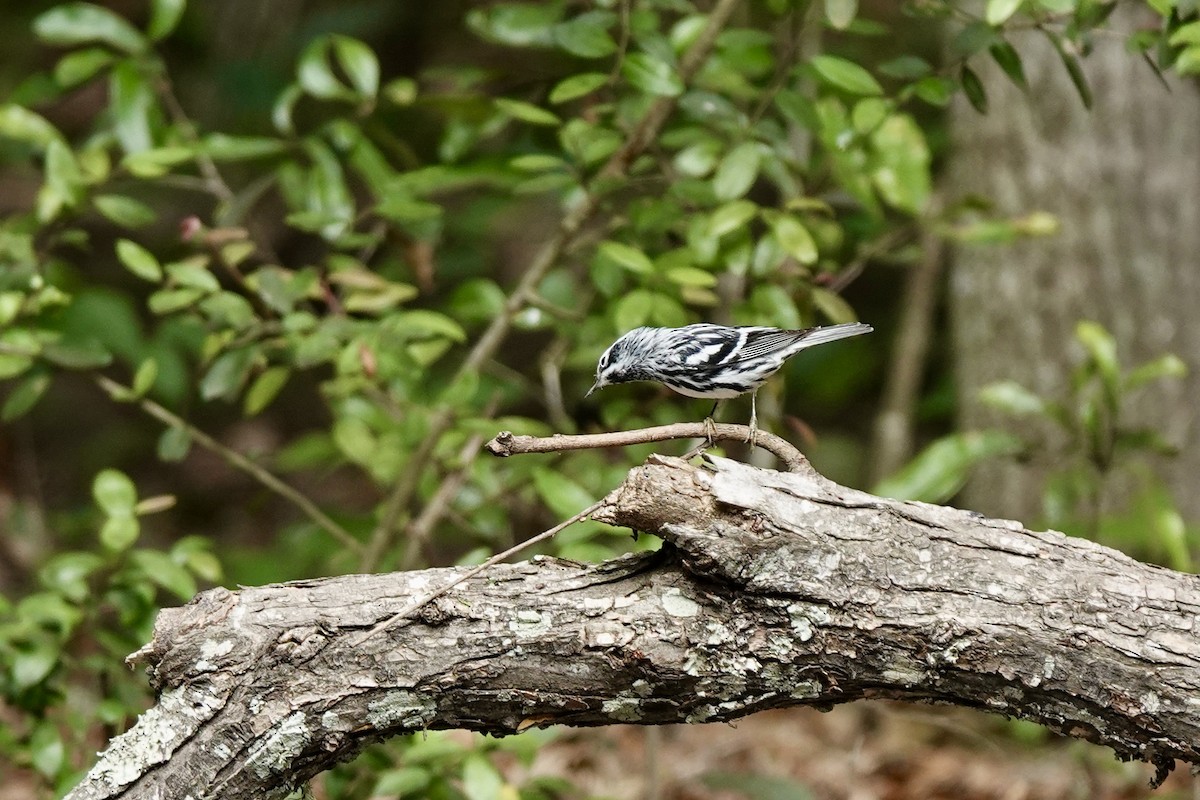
x=712 y=361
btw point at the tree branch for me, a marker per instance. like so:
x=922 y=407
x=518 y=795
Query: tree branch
x=774 y=589
x=508 y=443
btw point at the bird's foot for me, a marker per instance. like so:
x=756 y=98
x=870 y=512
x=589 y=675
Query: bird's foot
x=710 y=431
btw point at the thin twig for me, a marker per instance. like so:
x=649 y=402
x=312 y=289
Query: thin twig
x=507 y=443
x=256 y=471
x=894 y=429
x=429 y=597
x=569 y=228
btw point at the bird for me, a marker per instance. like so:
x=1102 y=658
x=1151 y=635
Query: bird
x=711 y=361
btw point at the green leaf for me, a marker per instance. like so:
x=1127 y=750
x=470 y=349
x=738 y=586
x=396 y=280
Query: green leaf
x=795 y=239
x=119 y=533
x=652 y=75
x=628 y=257
x=1009 y=60
x=699 y=159
x=586 y=35
x=77 y=67
x=526 y=112
x=139 y=260
x=900 y=164
x=25 y=396
x=563 y=496
x=160 y=569
x=1165 y=366
x=131 y=101
x=832 y=305
x=266 y=387
x=402 y=782
x=1186 y=34
x=114 y=492
x=517 y=24
x=193 y=273
x=731 y=217
x=17 y=122
x=737 y=172
x=1075 y=71
x=359 y=63
x=845 y=75
x=973 y=89
x=167 y=301
x=381 y=300
x=633 y=310
x=30 y=667
x=223 y=147
x=156 y=162
x=1102 y=352
x=68 y=573
x=906 y=68
x=536 y=162
x=935 y=90
x=144 y=378
x=577 y=86
x=841 y=13
x=164 y=18
x=124 y=211
x=227 y=374
x=1013 y=398
x=481 y=781
x=88 y=354
x=76 y=23
x=691 y=276
x=285 y=103
x=174 y=444
x=998 y=11
x=47 y=752
x=64 y=181
x=315 y=75
x=941 y=469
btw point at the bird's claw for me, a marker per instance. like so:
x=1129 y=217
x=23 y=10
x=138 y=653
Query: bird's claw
x=710 y=431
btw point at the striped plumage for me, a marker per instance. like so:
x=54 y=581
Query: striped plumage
x=712 y=361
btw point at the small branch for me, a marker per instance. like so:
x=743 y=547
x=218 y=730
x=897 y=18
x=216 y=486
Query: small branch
x=507 y=443
x=429 y=597
x=894 y=432
x=236 y=459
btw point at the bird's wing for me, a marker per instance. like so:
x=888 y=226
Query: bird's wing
x=768 y=342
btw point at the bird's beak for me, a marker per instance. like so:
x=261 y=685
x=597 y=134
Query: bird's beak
x=595 y=386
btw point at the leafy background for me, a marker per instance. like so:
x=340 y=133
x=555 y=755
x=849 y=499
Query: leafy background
x=271 y=273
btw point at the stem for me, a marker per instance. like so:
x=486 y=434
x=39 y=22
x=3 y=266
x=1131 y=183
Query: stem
x=429 y=597
x=507 y=443
x=236 y=459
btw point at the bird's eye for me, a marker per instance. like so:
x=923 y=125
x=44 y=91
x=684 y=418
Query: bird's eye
x=604 y=360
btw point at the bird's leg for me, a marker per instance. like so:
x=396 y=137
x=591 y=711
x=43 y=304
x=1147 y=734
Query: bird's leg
x=710 y=425
x=752 y=439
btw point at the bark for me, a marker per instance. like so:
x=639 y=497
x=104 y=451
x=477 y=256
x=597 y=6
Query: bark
x=1122 y=179
x=773 y=589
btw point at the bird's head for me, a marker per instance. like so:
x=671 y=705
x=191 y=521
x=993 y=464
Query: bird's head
x=619 y=363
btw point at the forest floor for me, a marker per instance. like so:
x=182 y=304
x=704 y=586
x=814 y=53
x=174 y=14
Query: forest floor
x=862 y=751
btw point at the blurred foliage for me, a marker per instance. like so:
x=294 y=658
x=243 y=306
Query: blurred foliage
x=427 y=257
x=1092 y=446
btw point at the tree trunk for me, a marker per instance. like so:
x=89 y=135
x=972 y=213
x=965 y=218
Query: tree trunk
x=773 y=590
x=1123 y=180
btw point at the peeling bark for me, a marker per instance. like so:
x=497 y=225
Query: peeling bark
x=774 y=589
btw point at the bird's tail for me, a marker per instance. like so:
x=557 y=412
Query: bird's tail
x=832 y=333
